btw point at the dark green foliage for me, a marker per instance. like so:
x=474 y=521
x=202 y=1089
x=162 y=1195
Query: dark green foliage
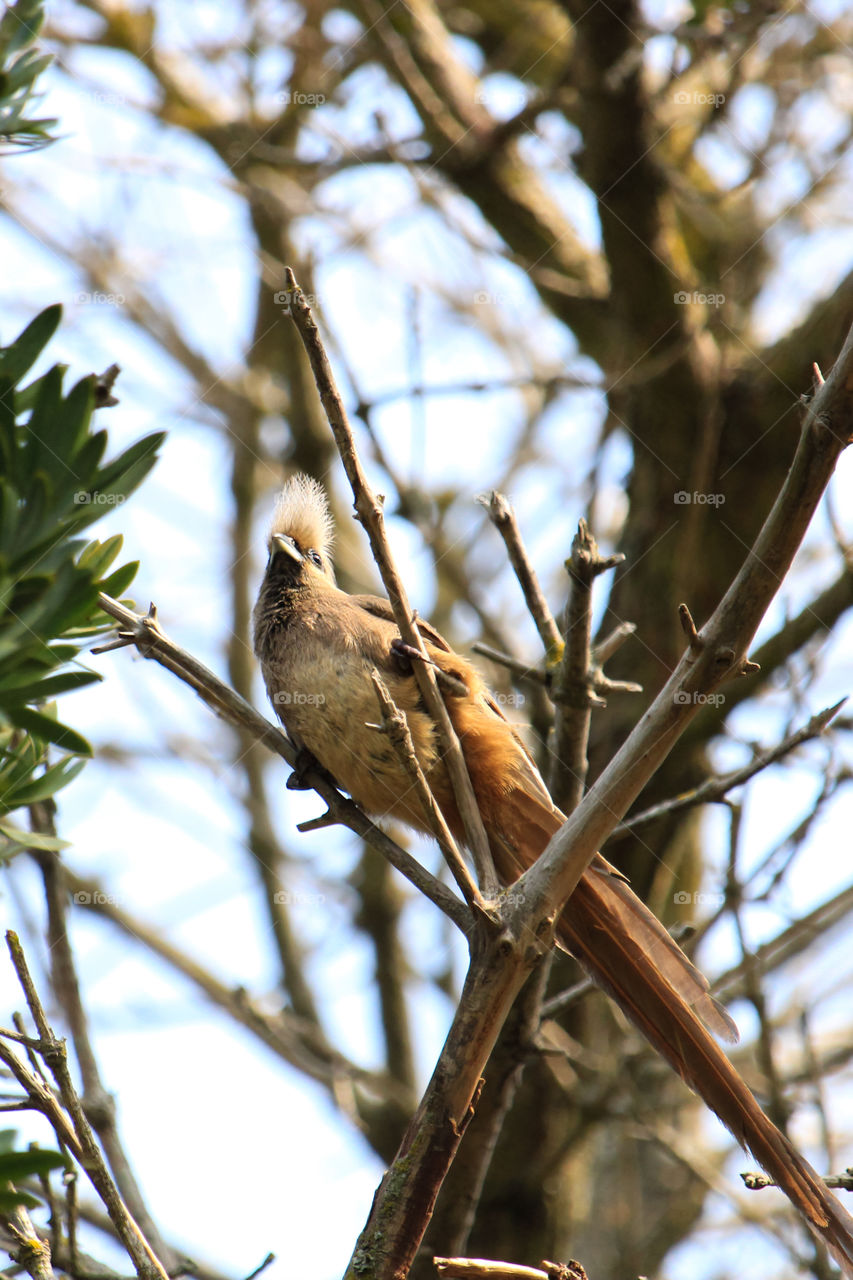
x=20 y=67
x=53 y=484
x=17 y=1165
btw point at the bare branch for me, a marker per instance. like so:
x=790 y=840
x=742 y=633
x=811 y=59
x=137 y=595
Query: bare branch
x=572 y=687
x=826 y=433
x=395 y=724
x=717 y=788
x=503 y=518
x=98 y=1104
x=369 y=511
x=152 y=642
x=84 y=1144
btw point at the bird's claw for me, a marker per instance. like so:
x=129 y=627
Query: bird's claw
x=306 y=762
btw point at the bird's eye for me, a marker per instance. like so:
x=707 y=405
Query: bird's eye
x=315 y=558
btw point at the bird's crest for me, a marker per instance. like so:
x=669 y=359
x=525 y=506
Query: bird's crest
x=302 y=512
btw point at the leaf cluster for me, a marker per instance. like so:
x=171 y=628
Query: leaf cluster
x=16 y=1165
x=54 y=482
x=20 y=67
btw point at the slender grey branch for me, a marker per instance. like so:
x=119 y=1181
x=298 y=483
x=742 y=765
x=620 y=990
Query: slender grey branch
x=503 y=518
x=98 y=1103
x=152 y=642
x=84 y=1145
x=369 y=511
x=572 y=686
x=395 y=724
x=520 y=669
x=717 y=788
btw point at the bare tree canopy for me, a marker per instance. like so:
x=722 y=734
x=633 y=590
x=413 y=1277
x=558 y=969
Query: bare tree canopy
x=581 y=276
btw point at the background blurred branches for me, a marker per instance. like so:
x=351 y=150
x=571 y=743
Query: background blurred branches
x=586 y=258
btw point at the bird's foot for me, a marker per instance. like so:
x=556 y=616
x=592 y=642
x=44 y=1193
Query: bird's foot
x=405 y=654
x=307 y=762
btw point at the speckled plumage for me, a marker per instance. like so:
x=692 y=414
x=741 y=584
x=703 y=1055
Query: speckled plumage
x=317 y=645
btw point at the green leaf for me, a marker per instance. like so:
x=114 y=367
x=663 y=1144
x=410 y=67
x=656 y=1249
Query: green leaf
x=24 y=72
x=21 y=355
x=98 y=556
x=27 y=396
x=32 y=839
x=136 y=461
x=12 y=1199
x=49 y=730
x=52 y=780
x=12 y=695
x=118 y=582
x=20 y=25
x=16 y=1165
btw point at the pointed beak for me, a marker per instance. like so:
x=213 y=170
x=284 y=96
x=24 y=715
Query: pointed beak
x=281 y=542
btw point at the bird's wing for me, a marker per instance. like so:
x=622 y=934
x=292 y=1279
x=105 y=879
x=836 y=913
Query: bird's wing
x=379 y=607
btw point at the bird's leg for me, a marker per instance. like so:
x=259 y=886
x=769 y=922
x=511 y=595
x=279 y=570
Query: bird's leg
x=307 y=762
x=405 y=654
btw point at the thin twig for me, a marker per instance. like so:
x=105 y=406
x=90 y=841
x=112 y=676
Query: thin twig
x=714 y=789
x=369 y=512
x=98 y=1103
x=514 y=665
x=85 y=1145
x=572 y=687
x=152 y=642
x=397 y=727
x=503 y=518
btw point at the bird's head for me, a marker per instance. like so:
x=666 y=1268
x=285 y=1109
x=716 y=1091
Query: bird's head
x=301 y=533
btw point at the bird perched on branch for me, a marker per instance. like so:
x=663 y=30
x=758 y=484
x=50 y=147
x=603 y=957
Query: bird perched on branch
x=317 y=646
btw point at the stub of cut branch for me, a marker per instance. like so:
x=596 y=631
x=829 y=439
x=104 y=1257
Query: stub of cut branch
x=369 y=511
x=835 y=1181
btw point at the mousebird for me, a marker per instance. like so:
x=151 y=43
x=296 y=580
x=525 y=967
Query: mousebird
x=317 y=645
